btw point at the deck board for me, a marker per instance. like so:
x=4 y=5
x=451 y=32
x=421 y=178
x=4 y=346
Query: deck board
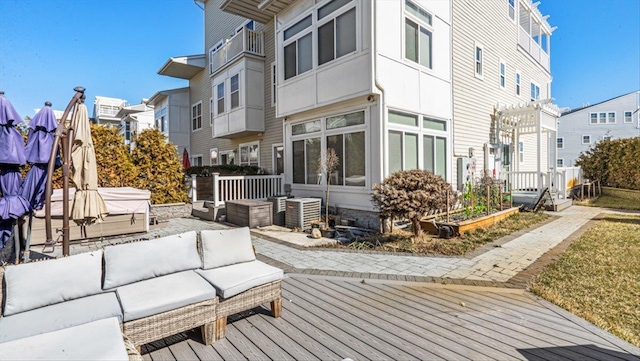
x=336 y=318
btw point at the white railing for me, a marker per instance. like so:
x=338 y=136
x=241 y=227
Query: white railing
x=527 y=43
x=246 y=41
x=530 y=181
x=227 y=188
x=522 y=180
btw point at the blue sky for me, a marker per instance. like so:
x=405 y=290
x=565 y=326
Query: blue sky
x=115 y=47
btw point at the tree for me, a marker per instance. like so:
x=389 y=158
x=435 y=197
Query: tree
x=115 y=164
x=159 y=167
x=614 y=163
x=328 y=166
x=410 y=195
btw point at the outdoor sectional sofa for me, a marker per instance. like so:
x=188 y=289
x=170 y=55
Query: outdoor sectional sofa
x=153 y=289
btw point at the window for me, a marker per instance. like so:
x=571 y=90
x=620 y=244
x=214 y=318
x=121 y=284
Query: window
x=249 y=24
x=235 y=91
x=535 y=91
x=297 y=48
x=196 y=116
x=227 y=157
x=196 y=161
x=611 y=117
x=161 y=120
x=213 y=156
x=560 y=142
x=220 y=98
x=336 y=36
x=274 y=83
x=414 y=144
x=211 y=111
x=478 y=62
x=602 y=118
x=518 y=83
x=627 y=117
x=560 y=162
x=521 y=152
x=593 y=118
x=278 y=159
x=607 y=137
x=512 y=9
x=250 y=154
x=127 y=132
x=418 y=35
x=586 y=139
x=503 y=74
x=345 y=134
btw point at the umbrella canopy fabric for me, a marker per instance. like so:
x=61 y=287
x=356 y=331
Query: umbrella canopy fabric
x=186 y=163
x=41 y=134
x=12 y=204
x=33 y=187
x=88 y=206
x=11 y=142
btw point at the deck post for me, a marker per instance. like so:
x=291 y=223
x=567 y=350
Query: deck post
x=216 y=189
x=194 y=189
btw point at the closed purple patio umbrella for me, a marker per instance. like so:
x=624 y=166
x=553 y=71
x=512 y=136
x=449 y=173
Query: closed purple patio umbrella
x=11 y=142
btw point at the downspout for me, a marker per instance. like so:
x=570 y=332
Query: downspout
x=376 y=83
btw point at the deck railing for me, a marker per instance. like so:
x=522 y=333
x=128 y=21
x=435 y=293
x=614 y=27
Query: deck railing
x=532 y=181
x=245 y=41
x=227 y=188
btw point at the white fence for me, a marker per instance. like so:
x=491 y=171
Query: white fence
x=227 y=188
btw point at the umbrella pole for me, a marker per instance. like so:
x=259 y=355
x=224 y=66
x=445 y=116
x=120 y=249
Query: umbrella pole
x=27 y=245
x=60 y=131
x=67 y=144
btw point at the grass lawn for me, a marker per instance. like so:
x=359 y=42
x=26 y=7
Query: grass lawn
x=606 y=201
x=404 y=241
x=598 y=277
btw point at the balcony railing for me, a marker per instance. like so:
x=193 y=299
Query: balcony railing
x=246 y=41
x=533 y=48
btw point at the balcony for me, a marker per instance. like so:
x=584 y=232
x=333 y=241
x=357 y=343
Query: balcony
x=262 y=11
x=533 y=48
x=534 y=32
x=246 y=41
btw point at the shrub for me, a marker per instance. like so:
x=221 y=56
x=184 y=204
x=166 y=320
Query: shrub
x=224 y=170
x=614 y=163
x=159 y=167
x=115 y=164
x=410 y=195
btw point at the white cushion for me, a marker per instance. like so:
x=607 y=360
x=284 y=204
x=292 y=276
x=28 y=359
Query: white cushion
x=132 y=262
x=38 y=284
x=61 y=315
x=226 y=247
x=161 y=294
x=98 y=340
x=235 y=279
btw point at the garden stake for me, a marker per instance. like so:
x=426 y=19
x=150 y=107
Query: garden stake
x=448 y=205
x=501 y=200
x=488 y=200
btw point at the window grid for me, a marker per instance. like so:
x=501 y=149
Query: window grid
x=627 y=117
x=518 y=77
x=586 y=139
x=560 y=143
x=479 y=54
x=418 y=35
x=220 y=98
x=235 y=91
x=196 y=116
x=503 y=74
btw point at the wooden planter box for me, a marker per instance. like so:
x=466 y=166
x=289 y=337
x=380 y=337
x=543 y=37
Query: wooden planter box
x=459 y=228
x=250 y=213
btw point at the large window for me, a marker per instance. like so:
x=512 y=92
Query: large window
x=250 y=154
x=161 y=120
x=298 y=48
x=196 y=116
x=418 y=35
x=479 y=54
x=417 y=142
x=235 y=91
x=627 y=117
x=345 y=134
x=336 y=30
x=220 y=98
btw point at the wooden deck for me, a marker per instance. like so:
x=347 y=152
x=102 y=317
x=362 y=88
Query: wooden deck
x=328 y=318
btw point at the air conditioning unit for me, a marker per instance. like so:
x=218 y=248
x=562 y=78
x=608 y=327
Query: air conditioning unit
x=279 y=207
x=301 y=211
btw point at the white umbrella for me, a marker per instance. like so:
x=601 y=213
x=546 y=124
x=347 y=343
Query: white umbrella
x=88 y=205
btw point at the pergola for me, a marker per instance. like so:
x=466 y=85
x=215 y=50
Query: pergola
x=536 y=117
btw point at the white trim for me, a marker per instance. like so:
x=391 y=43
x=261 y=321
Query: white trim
x=420 y=23
x=502 y=77
x=217 y=98
x=193 y=118
x=515 y=10
x=582 y=139
x=476 y=61
x=211 y=111
x=244 y=24
x=231 y=92
x=217 y=156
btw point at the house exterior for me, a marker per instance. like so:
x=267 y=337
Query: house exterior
x=579 y=129
x=171 y=115
x=133 y=120
x=105 y=110
x=282 y=81
x=501 y=72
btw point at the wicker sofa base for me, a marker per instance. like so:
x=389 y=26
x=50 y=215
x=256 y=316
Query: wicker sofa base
x=169 y=323
x=271 y=292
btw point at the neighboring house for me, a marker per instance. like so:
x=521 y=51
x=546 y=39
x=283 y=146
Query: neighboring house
x=502 y=87
x=133 y=120
x=579 y=129
x=374 y=80
x=171 y=115
x=105 y=110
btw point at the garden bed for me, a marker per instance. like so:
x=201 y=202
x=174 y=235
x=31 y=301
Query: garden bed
x=466 y=226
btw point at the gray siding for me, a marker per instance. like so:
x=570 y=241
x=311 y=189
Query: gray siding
x=574 y=125
x=487 y=23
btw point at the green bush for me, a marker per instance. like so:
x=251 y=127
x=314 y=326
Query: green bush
x=410 y=195
x=615 y=163
x=225 y=170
